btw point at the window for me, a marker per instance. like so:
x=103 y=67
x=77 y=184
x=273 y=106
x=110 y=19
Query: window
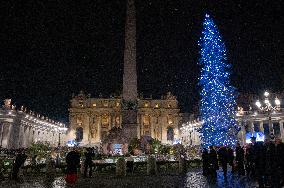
x=79 y=120
x=94 y=104
x=105 y=103
x=146 y=120
x=79 y=134
x=105 y=121
x=170 y=134
x=170 y=120
x=117 y=120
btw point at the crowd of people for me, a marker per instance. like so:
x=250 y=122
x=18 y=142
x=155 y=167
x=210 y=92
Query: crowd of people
x=72 y=159
x=261 y=161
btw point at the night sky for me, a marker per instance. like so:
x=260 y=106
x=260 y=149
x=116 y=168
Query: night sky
x=50 y=49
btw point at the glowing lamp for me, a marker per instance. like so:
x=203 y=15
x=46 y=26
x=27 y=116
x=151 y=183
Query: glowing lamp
x=277 y=101
x=258 y=104
x=266 y=101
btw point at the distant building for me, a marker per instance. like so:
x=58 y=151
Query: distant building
x=262 y=124
x=91 y=119
x=19 y=129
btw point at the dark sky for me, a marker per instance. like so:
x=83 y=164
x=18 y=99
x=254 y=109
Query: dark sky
x=51 y=49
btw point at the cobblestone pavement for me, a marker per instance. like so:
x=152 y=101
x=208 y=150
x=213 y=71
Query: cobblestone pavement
x=193 y=179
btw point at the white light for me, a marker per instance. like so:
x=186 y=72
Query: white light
x=266 y=94
x=258 y=104
x=266 y=101
x=277 y=101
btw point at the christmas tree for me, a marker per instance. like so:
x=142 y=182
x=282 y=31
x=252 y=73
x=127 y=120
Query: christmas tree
x=217 y=96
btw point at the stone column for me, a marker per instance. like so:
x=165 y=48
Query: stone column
x=139 y=127
x=141 y=124
x=270 y=124
x=251 y=127
x=22 y=136
x=86 y=129
x=99 y=134
x=25 y=137
x=6 y=134
x=164 y=129
x=31 y=135
x=261 y=128
x=152 y=126
x=281 y=130
x=15 y=132
x=242 y=134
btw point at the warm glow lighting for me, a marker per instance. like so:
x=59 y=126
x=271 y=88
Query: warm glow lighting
x=277 y=101
x=258 y=104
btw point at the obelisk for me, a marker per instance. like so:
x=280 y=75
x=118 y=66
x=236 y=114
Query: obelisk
x=129 y=74
x=129 y=95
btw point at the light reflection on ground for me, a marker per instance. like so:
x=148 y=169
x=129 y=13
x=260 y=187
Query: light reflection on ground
x=193 y=179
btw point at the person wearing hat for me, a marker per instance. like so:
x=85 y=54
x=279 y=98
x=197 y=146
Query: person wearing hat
x=88 y=163
x=19 y=161
x=73 y=162
x=240 y=159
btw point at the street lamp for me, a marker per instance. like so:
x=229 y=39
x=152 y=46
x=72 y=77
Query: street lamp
x=268 y=108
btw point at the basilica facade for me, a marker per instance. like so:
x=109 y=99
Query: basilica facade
x=91 y=119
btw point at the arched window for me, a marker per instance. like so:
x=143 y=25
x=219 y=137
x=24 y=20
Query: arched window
x=170 y=133
x=79 y=134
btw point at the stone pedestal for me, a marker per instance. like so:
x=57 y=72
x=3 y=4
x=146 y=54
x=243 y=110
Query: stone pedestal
x=129 y=123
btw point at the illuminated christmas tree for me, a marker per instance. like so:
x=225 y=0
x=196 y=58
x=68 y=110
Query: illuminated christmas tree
x=217 y=96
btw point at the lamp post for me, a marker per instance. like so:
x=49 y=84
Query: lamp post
x=267 y=108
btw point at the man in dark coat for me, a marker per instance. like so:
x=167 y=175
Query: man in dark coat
x=19 y=161
x=240 y=159
x=73 y=161
x=213 y=162
x=259 y=162
x=249 y=161
x=223 y=158
x=205 y=162
x=88 y=162
x=231 y=158
x=279 y=153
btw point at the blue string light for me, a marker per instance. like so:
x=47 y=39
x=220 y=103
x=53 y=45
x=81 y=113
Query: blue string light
x=217 y=95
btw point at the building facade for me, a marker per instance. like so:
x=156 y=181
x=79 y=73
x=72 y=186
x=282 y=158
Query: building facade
x=254 y=123
x=19 y=129
x=91 y=119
